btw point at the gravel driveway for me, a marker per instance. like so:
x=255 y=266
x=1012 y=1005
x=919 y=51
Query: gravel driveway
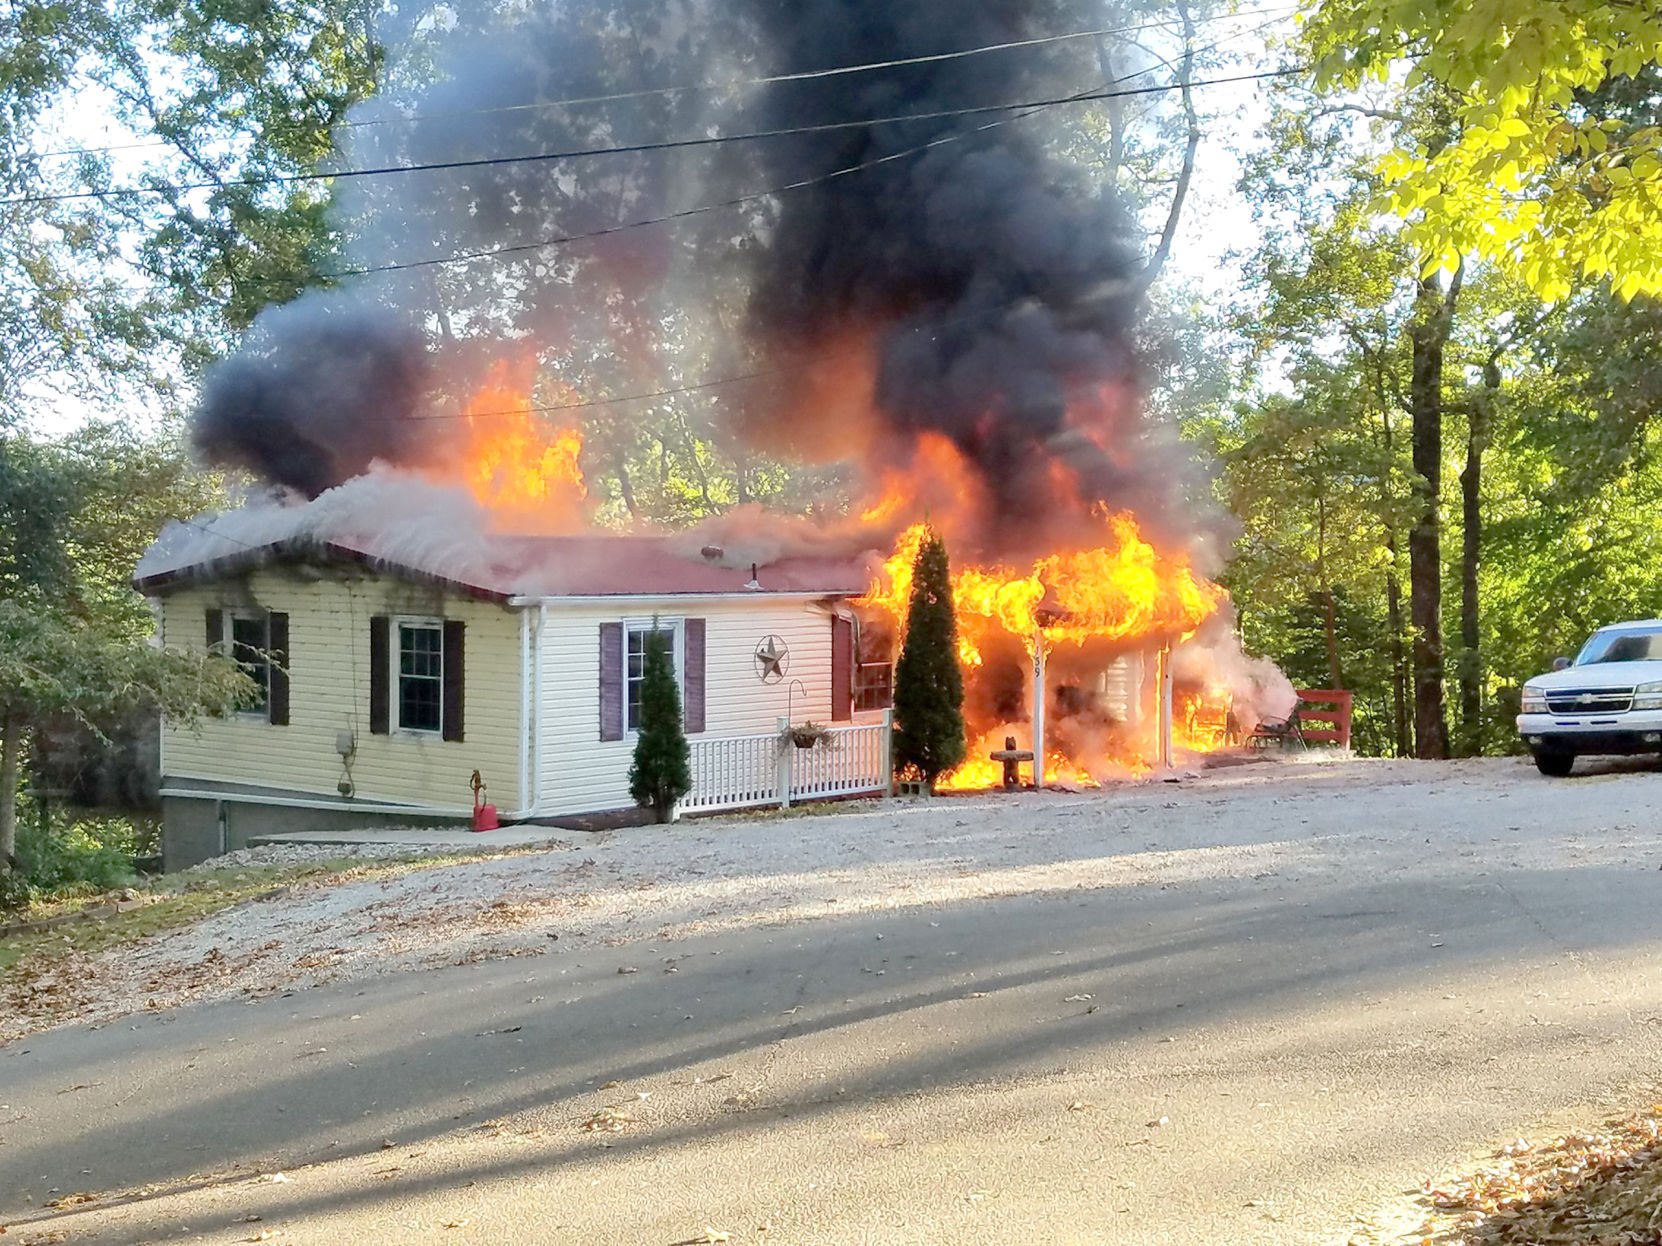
x=1299 y=820
x=1258 y=1006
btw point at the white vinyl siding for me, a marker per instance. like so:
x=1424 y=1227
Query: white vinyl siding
x=329 y=663
x=577 y=772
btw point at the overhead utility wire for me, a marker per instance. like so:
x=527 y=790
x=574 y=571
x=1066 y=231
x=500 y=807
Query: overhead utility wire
x=288 y=179
x=794 y=365
x=462 y=257
x=729 y=85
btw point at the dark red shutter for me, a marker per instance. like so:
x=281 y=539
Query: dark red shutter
x=611 y=681
x=216 y=631
x=692 y=638
x=455 y=670
x=277 y=690
x=380 y=673
x=842 y=670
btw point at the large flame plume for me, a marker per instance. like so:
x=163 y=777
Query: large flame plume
x=523 y=467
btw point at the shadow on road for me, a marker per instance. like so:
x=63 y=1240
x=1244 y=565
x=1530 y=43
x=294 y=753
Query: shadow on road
x=928 y=999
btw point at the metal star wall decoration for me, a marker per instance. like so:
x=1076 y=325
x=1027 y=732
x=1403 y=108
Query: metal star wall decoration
x=773 y=659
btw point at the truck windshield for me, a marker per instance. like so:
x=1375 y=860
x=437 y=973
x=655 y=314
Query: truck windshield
x=1621 y=647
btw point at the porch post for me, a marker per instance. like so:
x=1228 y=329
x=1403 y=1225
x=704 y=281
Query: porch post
x=887 y=775
x=1038 y=709
x=1165 y=707
x=782 y=765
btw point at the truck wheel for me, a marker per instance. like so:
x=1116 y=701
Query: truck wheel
x=1555 y=765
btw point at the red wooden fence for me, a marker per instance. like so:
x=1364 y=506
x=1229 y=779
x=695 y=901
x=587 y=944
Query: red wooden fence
x=1325 y=705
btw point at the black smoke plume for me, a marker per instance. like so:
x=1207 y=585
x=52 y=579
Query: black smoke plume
x=998 y=287
x=1003 y=291
x=317 y=392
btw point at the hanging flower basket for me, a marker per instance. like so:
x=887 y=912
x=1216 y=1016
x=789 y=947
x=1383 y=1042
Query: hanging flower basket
x=806 y=735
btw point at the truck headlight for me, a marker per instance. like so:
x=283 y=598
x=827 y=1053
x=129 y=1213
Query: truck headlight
x=1648 y=697
x=1535 y=700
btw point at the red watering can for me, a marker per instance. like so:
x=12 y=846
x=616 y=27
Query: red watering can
x=484 y=816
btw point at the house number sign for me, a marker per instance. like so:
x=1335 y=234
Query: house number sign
x=772 y=658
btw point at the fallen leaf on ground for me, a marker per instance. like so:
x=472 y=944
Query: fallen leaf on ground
x=608 y=1120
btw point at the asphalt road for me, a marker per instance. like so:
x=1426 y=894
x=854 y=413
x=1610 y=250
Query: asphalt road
x=1276 y=1058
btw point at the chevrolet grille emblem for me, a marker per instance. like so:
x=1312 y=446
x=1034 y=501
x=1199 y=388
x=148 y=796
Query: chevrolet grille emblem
x=1586 y=698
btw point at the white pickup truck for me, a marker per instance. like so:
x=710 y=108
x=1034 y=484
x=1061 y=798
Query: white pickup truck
x=1609 y=700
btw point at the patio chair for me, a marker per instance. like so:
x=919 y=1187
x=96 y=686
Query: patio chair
x=1282 y=732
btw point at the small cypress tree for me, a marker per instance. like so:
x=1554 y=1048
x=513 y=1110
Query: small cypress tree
x=662 y=771
x=928 y=684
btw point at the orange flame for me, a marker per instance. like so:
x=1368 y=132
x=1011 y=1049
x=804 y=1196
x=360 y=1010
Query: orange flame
x=524 y=470
x=1088 y=607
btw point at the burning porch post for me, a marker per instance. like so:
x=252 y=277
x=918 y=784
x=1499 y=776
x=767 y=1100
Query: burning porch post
x=1038 y=708
x=1165 y=724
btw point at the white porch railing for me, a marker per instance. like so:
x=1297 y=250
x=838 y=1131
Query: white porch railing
x=743 y=772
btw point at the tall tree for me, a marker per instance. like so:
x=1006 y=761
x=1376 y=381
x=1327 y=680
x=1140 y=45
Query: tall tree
x=928 y=683
x=1550 y=171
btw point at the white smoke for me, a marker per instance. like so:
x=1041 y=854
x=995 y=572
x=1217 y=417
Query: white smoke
x=1213 y=660
x=386 y=513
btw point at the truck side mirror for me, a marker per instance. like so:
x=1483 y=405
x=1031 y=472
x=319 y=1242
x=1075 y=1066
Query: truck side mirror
x=1561 y=664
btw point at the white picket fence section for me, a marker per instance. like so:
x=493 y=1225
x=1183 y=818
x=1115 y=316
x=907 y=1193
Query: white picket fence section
x=743 y=772
x=736 y=773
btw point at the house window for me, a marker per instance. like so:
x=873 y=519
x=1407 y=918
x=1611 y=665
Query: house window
x=635 y=664
x=420 y=676
x=251 y=650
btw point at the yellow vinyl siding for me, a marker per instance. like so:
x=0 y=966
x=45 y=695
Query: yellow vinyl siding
x=329 y=693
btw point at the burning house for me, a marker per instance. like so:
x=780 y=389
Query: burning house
x=874 y=277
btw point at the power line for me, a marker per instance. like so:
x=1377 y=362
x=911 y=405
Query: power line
x=463 y=257
x=728 y=85
x=466 y=257
x=289 y=179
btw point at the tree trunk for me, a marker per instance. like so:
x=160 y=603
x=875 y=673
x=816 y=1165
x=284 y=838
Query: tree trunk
x=1335 y=676
x=1403 y=727
x=1185 y=173
x=11 y=757
x=1402 y=734
x=626 y=488
x=1471 y=514
x=1433 y=318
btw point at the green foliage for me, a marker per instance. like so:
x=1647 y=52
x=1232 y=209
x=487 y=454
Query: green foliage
x=73 y=637
x=662 y=770
x=82 y=856
x=1551 y=172
x=928 y=683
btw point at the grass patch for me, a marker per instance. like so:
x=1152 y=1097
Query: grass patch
x=178 y=900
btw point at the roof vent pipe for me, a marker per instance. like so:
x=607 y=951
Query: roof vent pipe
x=755 y=585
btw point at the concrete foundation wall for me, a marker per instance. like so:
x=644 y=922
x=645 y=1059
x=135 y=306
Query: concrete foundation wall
x=192 y=830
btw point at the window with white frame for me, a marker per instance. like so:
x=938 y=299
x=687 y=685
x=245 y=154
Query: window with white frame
x=251 y=650
x=634 y=665
x=420 y=675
